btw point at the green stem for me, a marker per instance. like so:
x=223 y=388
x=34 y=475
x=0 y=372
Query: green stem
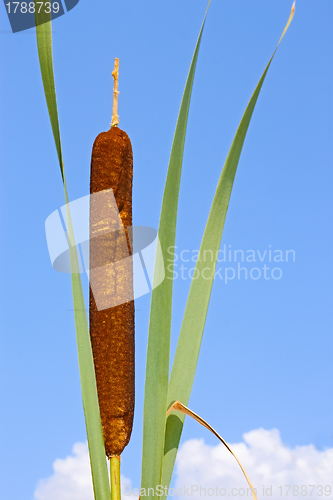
x=115 y=478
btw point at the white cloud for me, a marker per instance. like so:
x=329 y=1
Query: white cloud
x=71 y=479
x=266 y=459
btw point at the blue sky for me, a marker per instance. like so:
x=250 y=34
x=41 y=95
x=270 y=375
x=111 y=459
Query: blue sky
x=267 y=347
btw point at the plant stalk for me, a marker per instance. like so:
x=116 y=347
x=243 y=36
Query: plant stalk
x=115 y=477
x=115 y=117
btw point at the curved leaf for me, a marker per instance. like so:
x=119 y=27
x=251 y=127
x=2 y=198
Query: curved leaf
x=189 y=342
x=87 y=371
x=178 y=406
x=157 y=368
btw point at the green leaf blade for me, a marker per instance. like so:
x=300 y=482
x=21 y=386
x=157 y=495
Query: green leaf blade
x=158 y=352
x=87 y=372
x=44 y=45
x=190 y=337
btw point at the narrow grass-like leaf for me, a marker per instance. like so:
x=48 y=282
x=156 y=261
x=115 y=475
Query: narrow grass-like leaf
x=87 y=371
x=177 y=406
x=157 y=368
x=189 y=342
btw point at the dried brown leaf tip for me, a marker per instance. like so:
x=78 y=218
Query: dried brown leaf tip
x=112 y=329
x=178 y=406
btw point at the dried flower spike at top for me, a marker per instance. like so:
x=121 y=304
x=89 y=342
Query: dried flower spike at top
x=112 y=329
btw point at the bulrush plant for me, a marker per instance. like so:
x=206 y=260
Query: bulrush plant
x=112 y=328
x=106 y=350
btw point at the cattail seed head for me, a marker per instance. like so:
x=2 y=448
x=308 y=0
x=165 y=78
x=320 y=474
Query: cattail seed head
x=112 y=329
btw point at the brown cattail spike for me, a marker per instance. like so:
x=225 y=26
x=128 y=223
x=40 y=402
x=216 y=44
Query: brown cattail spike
x=112 y=330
